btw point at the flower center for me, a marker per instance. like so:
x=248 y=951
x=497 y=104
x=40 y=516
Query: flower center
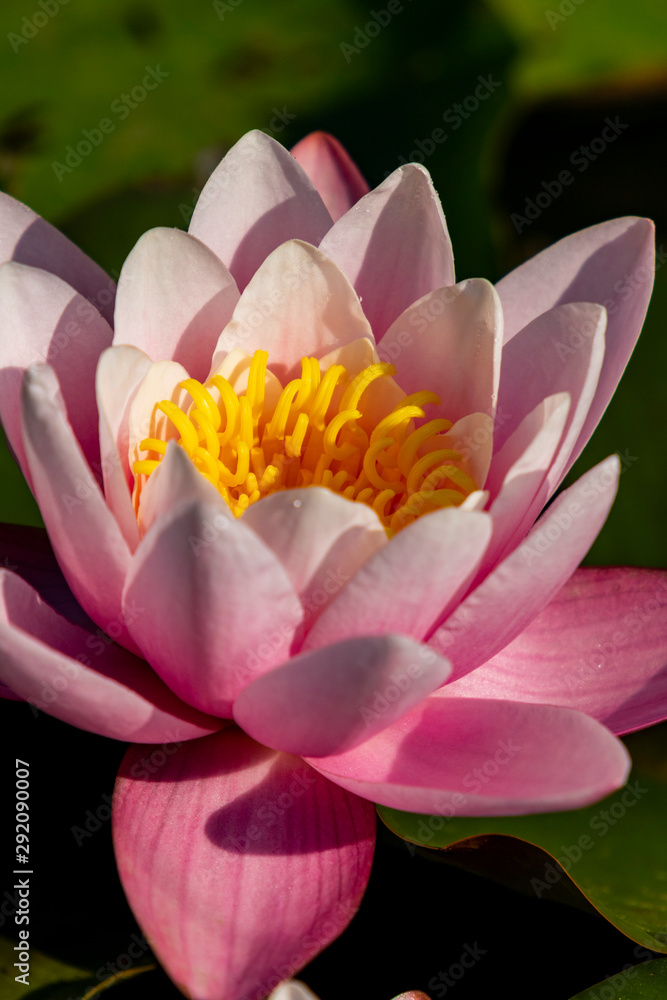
x=315 y=435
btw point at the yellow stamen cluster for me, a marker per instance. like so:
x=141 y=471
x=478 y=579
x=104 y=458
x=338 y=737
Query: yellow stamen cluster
x=249 y=450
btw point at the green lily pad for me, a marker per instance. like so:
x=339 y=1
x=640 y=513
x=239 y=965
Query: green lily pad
x=639 y=982
x=609 y=857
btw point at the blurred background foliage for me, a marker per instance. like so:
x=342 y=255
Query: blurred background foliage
x=382 y=83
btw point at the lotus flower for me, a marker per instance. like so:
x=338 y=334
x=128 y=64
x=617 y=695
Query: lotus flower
x=296 y=494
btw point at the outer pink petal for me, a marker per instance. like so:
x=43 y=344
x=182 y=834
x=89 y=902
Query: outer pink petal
x=523 y=584
x=83 y=678
x=28 y=239
x=449 y=342
x=174 y=299
x=120 y=372
x=43 y=319
x=336 y=698
x=600 y=646
x=218 y=607
x=393 y=245
x=298 y=304
x=410 y=583
x=89 y=546
x=538 y=362
x=240 y=863
x=256 y=199
x=470 y=757
x=332 y=170
x=320 y=537
x=612 y=264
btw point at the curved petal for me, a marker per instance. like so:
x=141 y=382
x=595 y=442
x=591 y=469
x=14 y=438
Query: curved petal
x=43 y=319
x=218 y=608
x=120 y=372
x=331 y=700
x=286 y=857
x=298 y=304
x=539 y=362
x=320 y=537
x=449 y=342
x=256 y=199
x=83 y=677
x=524 y=583
x=175 y=480
x=174 y=299
x=409 y=584
x=332 y=170
x=29 y=239
x=612 y=264
x=600 y=647
x=472 y=757
x=393 y=245
x=87 y=541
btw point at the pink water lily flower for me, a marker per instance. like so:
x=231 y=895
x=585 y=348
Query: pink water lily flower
x=297 y=476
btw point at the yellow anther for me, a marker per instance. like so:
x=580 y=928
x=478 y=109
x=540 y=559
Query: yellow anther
x=189 y=437
x=361 y=382
x=323 y=395
x=420 y=468
x=332 y=449
x=203 y=400
x=408 y=449
x=370 y=452
x=230 y=403
x=144 y=467
x=153 y=444
x=256 y=384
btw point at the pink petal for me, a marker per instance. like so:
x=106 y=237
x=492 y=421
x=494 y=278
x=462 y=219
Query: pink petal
x=612 y=264
x=335 y=698
x=43 y=319
x=538 y=363
x=174 y=299
x=523 y=584
x=28 y=239
x=218 y=607
x=240 y=863
x=600 y=647
x=523 y=484
x=175 y=480
x=298 y=304
x=470 y=757
x=256 y=199
x=83 y=678
x=393 y=245
x=320 y=538
x=120 y=372
x=87 y=541
x=410 y=583
x=449 y=342
x=332 y=170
